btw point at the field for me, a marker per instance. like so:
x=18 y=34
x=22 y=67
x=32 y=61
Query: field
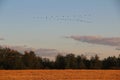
x=59 y=74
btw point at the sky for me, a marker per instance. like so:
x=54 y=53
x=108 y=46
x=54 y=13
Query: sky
x=61 y=26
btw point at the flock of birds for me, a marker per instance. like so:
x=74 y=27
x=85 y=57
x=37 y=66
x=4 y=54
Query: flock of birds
x=65 y=19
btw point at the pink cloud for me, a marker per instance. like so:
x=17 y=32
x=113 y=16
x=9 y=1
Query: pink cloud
x=118 y=48
x=2 y=39
x=110 y=41
x=39 y=52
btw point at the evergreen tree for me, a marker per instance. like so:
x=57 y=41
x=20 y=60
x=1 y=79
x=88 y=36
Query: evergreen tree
x=110 y=63
x=71 y=62
x=80 y=62
x=29 y=59
x=60 y=62
x=95 y=63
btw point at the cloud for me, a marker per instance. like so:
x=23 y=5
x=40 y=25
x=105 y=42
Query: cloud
x=109 y=41
x=46 y=52
x=2 y=39
x=118 y=49
x=39 y=52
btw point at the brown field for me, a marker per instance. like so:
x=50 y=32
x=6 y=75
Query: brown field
x=59 y=74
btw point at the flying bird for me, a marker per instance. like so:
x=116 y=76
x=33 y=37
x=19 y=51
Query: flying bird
x=66 y=18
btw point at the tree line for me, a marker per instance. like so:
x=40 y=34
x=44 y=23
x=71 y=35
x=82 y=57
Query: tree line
x=12 y=59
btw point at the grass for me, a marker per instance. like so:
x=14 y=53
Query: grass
x=59 y=74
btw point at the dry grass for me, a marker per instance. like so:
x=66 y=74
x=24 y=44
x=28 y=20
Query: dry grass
x=59 y=74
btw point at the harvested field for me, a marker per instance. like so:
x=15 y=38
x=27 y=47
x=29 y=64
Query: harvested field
x=59 y=74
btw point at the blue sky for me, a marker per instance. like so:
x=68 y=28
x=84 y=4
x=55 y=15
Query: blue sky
x=22 y=22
